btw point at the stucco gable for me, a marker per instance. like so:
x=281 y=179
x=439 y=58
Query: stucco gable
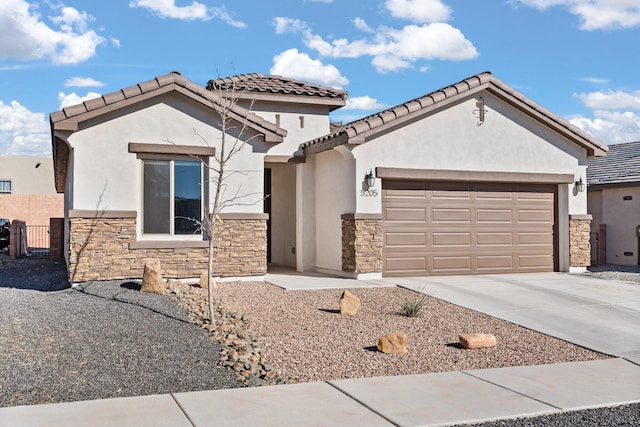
x=620 y=166
x=66 y=121
x=361 y=130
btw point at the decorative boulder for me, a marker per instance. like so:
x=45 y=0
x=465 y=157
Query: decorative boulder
x=393 y=343
x=152 y=278
x=473 y=341
x=203 y=281
x=349 y=304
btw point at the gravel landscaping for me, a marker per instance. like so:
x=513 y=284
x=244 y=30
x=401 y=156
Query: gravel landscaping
x=99 y=340
x=107 y=339
x=304 y=336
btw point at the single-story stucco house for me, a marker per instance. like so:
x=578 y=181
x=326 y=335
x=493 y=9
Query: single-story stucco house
x=613 y=185
x=471 y=178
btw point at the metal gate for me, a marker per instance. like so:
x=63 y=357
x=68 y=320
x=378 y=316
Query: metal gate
x=33 y=241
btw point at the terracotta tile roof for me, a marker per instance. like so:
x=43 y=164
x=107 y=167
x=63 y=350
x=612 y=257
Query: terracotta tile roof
x=262 y=83
x=112 y=100
x=439 y=97
x=622 y=165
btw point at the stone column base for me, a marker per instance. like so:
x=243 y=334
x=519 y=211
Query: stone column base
x=579 y=241
x=361 y=243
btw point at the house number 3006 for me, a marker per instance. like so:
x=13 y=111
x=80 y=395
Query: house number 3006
x=369 y=193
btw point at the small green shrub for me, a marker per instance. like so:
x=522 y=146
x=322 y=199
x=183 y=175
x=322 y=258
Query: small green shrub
x=411 y=306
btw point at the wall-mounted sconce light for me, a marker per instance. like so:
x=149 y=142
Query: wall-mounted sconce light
x=370 y=179
x=480 y=112
x=580 y=185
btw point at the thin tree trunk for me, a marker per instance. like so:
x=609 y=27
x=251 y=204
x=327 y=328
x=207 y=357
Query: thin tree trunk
x=210 y=271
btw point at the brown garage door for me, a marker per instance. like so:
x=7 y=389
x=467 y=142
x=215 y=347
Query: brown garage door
x=467 y=228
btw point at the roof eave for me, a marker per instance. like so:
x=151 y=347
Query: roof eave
x=332 y=103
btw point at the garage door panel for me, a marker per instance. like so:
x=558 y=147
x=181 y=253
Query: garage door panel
x=495 y=215
x=451 y=239
x=535 y=215
x=408 y=214
x=467 y=228
x=451 y=264
x=451 y=215
x=406 y=264
x=537 y=262
x=413 y=239
x=494 y=239
x=540 y=238
x=494 y=262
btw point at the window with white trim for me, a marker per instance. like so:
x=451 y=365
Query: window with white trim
x=5 y=186
x=172 y=196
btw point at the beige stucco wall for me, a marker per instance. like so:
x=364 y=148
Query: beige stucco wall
x=621 y=218
x=107 y=177
x=334 y=197
x=315 y=123
x=283 y=213
x=508 y=141
x=26 y=178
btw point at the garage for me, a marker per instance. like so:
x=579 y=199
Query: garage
x=440 y=228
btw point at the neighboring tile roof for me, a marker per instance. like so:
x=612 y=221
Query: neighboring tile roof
x=462 y=88
x=174 y=77
x=622 y=165
x=261 y=83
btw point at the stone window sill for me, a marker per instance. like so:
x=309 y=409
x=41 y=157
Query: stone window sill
x=168 y=244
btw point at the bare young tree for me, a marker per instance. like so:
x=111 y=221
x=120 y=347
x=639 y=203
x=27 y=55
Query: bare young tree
x=233 y=139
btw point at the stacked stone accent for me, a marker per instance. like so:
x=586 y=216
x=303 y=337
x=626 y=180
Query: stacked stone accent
x=100 y=249
x=579 y=244
x=361 y=243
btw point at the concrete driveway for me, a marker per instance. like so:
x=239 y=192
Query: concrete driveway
x=602 y=315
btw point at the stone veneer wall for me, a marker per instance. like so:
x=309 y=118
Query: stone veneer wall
x=361 y=243
x=579 y=242
x=106 y=249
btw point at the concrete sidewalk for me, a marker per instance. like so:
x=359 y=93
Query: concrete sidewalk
x=416 y=400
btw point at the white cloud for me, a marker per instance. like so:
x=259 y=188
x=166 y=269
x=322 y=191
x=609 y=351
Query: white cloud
x=594 y=80
x=221 y=13
x=615 y=118
x=25 y=36
x=419 y=11
x=298 y=65
x=72 y=98
x=363 y=103
x=610 y=100
x=611 y=127
x=82 y=82
x=192 y=12
x=288 y=25
x=393 y=50
x=361 y=25
x=594 y=14
x=22 y=132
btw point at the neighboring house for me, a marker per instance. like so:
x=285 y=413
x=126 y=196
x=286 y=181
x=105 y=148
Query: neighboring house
x=472 y=178
x=27 y=192
x=614 y=201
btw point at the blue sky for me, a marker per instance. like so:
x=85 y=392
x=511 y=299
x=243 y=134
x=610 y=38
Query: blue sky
x=578 y=58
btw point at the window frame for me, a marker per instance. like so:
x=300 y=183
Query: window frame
x=8 y=181
x=172 y=158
